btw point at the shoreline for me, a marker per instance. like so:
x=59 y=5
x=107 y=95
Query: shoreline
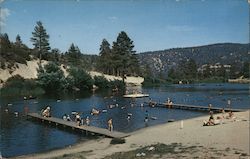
x=222 y=136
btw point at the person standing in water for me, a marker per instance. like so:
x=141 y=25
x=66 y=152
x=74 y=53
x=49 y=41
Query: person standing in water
x=229 y=103
x=87 y=121
x=146 y=116
x=110 y=124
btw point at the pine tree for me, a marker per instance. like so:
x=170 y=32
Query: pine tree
x=122 y=53
x=18 y=41
x=5 y=43
x=40 y=40
x=73 y=55
x=105 y=61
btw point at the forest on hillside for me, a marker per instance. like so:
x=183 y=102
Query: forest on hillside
x=214 y=63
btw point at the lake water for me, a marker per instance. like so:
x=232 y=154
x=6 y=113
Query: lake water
x=20 y=136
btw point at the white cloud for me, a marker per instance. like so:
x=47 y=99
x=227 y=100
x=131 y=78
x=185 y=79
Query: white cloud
x=4 y=13
x=1 y=1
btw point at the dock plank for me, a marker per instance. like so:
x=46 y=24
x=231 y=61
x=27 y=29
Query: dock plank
x=96 y=130
x=195 y=107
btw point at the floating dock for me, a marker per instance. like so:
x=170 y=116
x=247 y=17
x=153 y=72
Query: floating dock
x=193 y=107
x=73 y=125
x=136 y=95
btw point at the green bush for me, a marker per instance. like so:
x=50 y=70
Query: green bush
x=17 y=85
x=117 y=84
x=79 y=78
x=101 y=82
x=51 y=77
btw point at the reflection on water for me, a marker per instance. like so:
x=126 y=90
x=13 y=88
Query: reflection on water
x=20 y=136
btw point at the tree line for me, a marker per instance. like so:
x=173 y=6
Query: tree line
x=187 y=71
x=120 y=59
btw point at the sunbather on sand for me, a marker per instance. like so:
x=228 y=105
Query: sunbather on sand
x=230 y=115
x=210 y=121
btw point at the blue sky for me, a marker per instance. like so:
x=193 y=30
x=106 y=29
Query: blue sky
x=151 y=24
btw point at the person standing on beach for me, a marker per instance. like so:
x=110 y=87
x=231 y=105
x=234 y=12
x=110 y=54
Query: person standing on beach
x=110 y=125
x=209 y=107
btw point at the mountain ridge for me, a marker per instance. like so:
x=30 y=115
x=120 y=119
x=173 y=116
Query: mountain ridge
x=162 y=61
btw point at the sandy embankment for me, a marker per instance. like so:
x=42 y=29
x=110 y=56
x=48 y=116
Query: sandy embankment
x=129 y=80
x=232 y=134
x=29 y=71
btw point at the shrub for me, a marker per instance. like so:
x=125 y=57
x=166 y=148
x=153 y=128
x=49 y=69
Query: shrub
x=51 y=77
x=101 y=82
x=79 y=78
x=17 y=85
x=117 y=141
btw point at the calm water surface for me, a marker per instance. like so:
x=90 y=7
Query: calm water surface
x=20 y=136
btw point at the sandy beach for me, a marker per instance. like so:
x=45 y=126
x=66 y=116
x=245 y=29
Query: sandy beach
x=230 y=138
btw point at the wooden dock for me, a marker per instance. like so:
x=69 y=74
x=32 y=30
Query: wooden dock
x=194 y=107
x=71 y=124
x=137 y=95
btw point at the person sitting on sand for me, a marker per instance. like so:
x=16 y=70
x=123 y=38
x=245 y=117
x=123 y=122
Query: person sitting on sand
x=110 y=124
x=230 y=115
x=46 y=112
x=210 y=121
x=222 y=113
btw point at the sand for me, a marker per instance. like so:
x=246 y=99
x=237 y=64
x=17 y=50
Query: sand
x=29 y=71
x=128 y=80
x=232 y=134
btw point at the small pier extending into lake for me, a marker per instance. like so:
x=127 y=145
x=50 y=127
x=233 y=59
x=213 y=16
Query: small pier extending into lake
x=192 y=107
x=73 y=125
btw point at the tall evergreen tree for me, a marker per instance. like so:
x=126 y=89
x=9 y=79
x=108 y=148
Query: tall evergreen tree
x=5 y=43
x=105 y=61
x=73 y=55
x=40 y=40
x=122 y=52
x=18 y=41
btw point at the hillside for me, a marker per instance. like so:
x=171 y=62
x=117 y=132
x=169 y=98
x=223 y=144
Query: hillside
x=222 y=53
x=162 y=61
x=29 y=71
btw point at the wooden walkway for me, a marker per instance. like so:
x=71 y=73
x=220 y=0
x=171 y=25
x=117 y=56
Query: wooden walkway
x=194 y=107
x=71 y=124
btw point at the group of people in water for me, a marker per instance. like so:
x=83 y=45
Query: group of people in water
x=77 y=118
x=86 y=121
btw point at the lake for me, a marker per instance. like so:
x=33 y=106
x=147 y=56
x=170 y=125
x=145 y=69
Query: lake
x=20 y=136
